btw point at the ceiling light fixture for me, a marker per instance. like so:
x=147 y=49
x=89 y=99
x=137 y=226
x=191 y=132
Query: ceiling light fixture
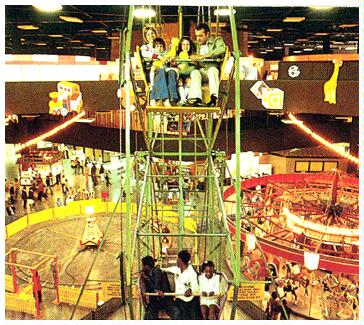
x=89 y=44
x=59 y=47
x=223 y=12
x=297 y=52
x=99 y=31
x=75 y=41
x=350 y=48
x=49 y=7
x=112 y=37
x=40 y=44
x=321 y=8
x=274 y=29
x=293 y=19
x=144 y=13
x=348 y=25
x=263 y=36
x=27 y=27
x=288 y=44
x=55 y=35
x=71 y=19
x=308 y=49
x=321 y=34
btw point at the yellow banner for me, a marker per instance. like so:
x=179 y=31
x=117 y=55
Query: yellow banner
x=111 y=289
x=248 y=291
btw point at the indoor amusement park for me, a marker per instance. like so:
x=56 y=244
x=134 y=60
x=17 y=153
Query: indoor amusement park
x=181 y=162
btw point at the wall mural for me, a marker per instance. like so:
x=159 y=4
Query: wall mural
x=68 y=98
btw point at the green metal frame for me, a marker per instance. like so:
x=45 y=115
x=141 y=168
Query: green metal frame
x=215 y=233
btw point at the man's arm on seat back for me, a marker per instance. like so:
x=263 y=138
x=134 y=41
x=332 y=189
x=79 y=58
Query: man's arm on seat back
x=218 y=48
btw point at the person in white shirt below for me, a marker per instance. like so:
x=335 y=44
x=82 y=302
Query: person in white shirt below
x=209 y=283
x=185 y=278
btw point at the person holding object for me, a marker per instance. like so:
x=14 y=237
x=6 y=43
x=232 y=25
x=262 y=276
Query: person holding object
x=209 y=282
x=207 y=47
x=186 y=284
x=155 y=281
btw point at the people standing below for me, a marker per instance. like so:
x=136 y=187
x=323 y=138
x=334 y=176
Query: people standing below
x=87 y=171
x=31 y=198
x=24 y=197
x=66 y=186
x=12 y=193
x=186 y=284
x=273 y=310
x=207 y=47
x=63 y=183
x=107 y=179
x=16 y=187
x=209 y=283
x=93 y=174
x=40 y=189
x=101 y=171
x=156 y=282
x=99 y=160
x=10 y=209
x=48 y=183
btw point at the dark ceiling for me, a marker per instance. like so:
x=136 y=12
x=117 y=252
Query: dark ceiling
x=339 y=25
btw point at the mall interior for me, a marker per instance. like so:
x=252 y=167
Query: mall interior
x=259 y=177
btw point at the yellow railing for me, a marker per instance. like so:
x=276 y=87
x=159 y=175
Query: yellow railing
x=68 y=295
x=22 y=303
x=77 y=208
x=9 y=284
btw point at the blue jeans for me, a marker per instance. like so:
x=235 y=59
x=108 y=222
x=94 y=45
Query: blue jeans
x=165 y=85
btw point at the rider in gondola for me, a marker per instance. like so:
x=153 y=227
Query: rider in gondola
x=157 y=282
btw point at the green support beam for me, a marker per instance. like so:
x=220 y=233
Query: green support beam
x=237 y=259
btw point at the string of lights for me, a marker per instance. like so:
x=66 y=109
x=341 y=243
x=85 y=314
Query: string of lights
x=34 y=141
x=323 y=141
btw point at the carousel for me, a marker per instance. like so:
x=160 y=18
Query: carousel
x=307 y=227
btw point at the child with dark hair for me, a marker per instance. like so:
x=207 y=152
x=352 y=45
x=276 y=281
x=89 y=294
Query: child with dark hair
x=185 y=49
x=209 y=283
x=159 y=47
x=154 y=281
x=163 y=77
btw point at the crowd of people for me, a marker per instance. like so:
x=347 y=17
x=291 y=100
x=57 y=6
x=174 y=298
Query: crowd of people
x=56 y=188
x=175 y=75
x=195 y=297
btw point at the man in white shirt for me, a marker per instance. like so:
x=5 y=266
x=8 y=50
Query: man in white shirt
x=209 y=288
x=185 y=278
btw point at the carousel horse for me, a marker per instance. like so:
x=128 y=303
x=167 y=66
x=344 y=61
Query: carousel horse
x=293 y=272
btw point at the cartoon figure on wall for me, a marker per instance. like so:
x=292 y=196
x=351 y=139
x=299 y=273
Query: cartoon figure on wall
x=331 y=85
x=68 y=98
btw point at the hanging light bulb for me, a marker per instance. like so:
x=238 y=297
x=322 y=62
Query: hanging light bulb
x=48 y=6
x=144 y=13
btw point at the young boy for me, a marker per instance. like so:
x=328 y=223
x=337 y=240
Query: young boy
x=159 y=49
